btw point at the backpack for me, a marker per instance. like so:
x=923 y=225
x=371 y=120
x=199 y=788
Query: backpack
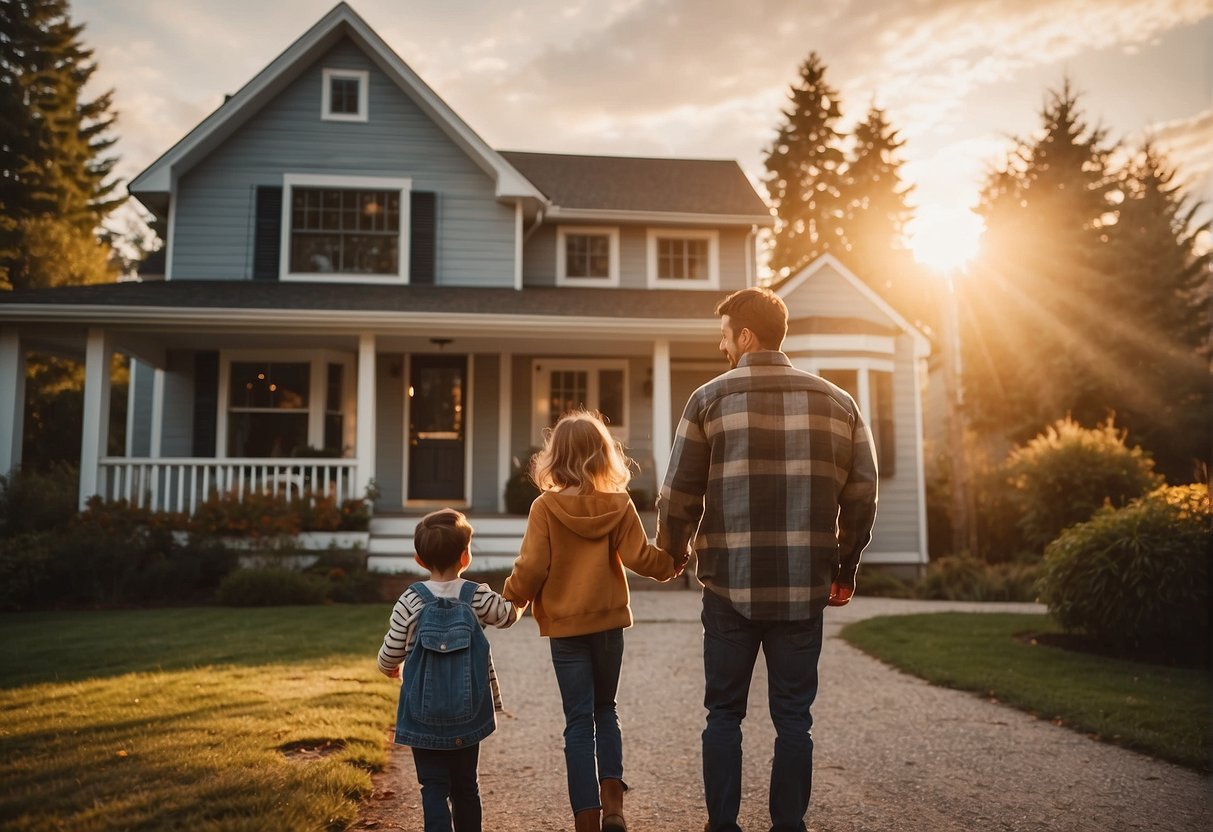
x=445 y=699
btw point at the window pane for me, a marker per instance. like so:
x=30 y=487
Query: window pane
x=610 y=396
x=437 y=403
x=344 y=230
x=266 y=434
x=343 y=95
x=266 y=385
x=569 y=389
x=334 y=433
x=332 y=394
x=587 y=255
x=881 y=419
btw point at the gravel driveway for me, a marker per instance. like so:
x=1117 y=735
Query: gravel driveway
x=892 y=752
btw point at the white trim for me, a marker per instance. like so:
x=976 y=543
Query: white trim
x=541 y=369
x=468 y=427
x=172 y=233
x=652 y=235
x=874 y=558
x=884 y=344
x=920 y=463
x=378 y=183
x=317 y=361
x=328 y=75
x=341 y=21
x=611 y=279
x=505 y=382
x=839 y=362
x=922 y=345
x=680 y=218
x=717 y=367
x=12 y=415
x=406 y=414
x=364 y=443
x=518 y=239
x=130 y=408
x=95 y=421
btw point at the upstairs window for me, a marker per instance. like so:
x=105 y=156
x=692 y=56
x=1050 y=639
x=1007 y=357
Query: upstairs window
x=344 y=95
x=683 y=259
x=345 y=227
x=587 y=256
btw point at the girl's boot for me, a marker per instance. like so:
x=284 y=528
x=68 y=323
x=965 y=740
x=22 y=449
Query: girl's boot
x=588 y=820
x=611 y=792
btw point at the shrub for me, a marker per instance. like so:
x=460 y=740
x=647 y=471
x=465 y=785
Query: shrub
x=875 y=583
x=1063 y=475
x=271 y=587
x=966 y=578
x=1138 y=575
x=35 y=501
x=29 y=570
x=520 y=491
x=253 y=515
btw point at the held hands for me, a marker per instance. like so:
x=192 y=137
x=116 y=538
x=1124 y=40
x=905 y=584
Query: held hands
x=840 y=595
x=396 y=673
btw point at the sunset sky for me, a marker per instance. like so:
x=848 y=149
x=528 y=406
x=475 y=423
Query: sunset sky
x=704 y=78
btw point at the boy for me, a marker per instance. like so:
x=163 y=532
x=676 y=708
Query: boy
x=449 y=692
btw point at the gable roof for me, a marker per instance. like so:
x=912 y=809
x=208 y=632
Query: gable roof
x=591 y=187
x=341 y=22
x=922 y=344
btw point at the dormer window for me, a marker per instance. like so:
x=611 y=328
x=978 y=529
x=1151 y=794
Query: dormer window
x=587 y=256
x=344 y=95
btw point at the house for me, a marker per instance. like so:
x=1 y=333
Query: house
x=357 y=289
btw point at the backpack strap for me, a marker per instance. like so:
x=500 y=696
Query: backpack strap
x=467 y=592
x=422 y=591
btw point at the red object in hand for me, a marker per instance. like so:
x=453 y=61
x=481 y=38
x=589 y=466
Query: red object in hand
x=840 y=595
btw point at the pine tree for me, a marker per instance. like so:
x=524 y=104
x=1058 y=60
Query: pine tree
x=1033 y=318
x=804 y=167
x=54 y=167
x=1160 y=346
x=877 y=213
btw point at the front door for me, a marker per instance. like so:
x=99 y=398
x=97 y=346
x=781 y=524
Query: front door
x=437 y=427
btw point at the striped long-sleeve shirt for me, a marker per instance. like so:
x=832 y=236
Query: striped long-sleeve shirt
x=490 y=608
x=773 y=477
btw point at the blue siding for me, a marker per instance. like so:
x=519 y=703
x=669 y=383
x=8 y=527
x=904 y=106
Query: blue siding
x=215 y=199
x=389 y=431
x=178 y=439
x=142 y=380
x=487 y=481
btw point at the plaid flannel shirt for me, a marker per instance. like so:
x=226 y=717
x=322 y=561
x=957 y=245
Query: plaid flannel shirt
x=773 y=477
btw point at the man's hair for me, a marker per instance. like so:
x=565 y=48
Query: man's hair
x=761 y=311
x=441 y=537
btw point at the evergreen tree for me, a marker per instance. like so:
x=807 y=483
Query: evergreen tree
x=1034 y=318
x=805 y=173
x=1161 y=346
x=54 y=167
x=876 y=216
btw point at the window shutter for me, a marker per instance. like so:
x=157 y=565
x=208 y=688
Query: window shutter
x=267 y=233
x=206 y=402
x=421 y=239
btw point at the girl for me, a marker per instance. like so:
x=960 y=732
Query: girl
x=582 y=530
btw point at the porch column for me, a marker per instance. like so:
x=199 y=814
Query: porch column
x=662 y=439
x=94 y=438
x=12 y=415
x=505 y=384
x=364 y=442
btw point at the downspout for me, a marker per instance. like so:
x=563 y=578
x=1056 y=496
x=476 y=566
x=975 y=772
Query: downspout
x=751 y=258
x=535 y=226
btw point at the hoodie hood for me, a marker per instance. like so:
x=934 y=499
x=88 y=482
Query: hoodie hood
x=588 y=515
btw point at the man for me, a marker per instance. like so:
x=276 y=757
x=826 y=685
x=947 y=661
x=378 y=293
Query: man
x=773 y=479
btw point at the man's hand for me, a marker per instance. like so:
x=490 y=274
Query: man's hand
x=840 y=595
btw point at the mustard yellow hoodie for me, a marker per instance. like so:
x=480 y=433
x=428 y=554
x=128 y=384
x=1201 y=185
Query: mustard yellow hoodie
x=572 y=558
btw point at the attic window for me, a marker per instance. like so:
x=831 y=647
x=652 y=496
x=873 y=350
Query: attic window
x=587 y=256
x=344 y=95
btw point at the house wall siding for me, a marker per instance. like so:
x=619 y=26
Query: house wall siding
x=389 y=431
x=140 y=403
x=213 y=226
x=539 y=256
x=178 y=437
x=827 y=294
x=897 y=513
x=487 y=481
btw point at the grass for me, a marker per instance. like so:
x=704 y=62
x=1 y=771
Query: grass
x=201 y=719
x=1160 y=710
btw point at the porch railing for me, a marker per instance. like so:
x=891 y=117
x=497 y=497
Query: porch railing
x=182 y=484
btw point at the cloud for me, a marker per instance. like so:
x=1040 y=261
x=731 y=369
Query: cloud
x=1188 y=144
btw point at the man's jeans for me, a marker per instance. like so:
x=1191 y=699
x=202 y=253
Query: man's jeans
x=452 y=774
x=587 y=671
x=730 y=648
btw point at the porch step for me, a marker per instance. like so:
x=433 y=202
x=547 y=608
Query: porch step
x=494 y=545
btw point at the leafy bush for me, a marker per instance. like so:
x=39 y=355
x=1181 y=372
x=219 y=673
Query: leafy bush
x=520 y=491
x=875 y=583
x=271 y=587
x=1138 y=575
x=29 y=571
x=966 y=578
x=1063 y=475
x=35 y=501
x=266 y=517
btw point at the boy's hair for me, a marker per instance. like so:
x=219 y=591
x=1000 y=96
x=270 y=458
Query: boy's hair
x=759 y=310
x=580 y=451
x=441 y=537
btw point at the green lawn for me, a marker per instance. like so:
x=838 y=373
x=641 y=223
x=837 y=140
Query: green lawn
x=201 y=719
x=1163 y=711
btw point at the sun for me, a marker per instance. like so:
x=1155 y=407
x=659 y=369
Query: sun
x=944 y=239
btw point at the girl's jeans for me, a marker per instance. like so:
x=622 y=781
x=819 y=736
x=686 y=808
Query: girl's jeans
x=449 y=774
x=587 y=671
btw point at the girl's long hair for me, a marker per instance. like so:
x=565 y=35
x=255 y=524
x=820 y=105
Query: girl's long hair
x=580 y=451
